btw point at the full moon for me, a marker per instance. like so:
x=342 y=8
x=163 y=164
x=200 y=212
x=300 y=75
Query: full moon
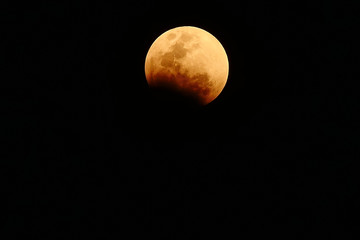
x=189 y=63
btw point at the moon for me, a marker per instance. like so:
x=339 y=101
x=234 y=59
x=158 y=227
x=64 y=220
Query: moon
x=189 y=63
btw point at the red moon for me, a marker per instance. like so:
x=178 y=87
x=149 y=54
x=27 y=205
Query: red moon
x=188 y=62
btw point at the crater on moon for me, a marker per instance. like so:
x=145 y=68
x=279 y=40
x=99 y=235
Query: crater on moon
x=186 y=37
x=177 y=51
x=171 y=36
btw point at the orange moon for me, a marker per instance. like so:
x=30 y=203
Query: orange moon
x=188 y=62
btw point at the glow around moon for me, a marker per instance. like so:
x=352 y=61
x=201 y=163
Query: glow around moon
x=188 y=62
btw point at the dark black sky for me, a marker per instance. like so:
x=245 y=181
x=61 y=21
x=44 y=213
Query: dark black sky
x=91 y=154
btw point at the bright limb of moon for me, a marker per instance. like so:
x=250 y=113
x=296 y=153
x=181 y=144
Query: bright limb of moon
x=189 y=61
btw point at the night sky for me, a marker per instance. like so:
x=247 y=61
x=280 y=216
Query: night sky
x=91 y=154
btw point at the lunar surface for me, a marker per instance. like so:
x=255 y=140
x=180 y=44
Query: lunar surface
x=189 y=63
